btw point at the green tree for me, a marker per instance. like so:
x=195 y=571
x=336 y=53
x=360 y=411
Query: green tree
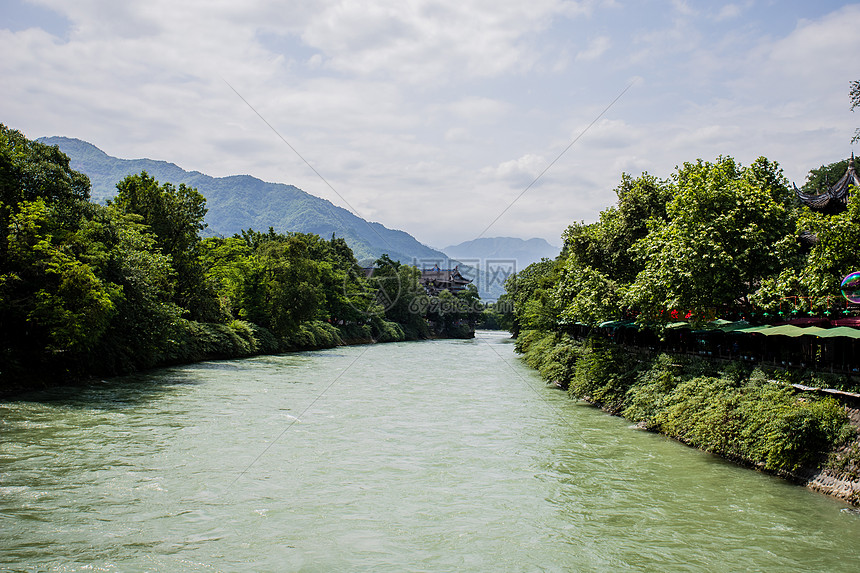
x=229 y=264
x=598 y=263
x=51 y=300
x=409 y=306
x=531 y=291
x=728 y=228
x=605 y=245
x=175 y=217
x=279 y=281
x=29 y=171
x=291 y=281
x=586 y=295
x=125 y=254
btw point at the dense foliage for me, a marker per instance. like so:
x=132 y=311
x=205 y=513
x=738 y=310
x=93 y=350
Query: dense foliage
x=715 y=240
x=736 y=412
x=101 y=289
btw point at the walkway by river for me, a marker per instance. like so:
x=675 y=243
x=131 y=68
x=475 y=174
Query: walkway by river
x=421 y=456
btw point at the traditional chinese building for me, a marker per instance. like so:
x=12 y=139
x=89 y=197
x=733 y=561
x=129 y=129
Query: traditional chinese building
x=835 y=199
x=436 y=280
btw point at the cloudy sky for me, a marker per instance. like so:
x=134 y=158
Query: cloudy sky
x=434 y=116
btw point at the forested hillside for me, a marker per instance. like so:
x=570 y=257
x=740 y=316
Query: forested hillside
x=242 y=202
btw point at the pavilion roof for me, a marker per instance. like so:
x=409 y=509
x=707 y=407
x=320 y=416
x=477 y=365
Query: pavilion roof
x=834 y=199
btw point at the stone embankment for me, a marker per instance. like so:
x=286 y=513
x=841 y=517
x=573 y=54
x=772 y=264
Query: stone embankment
x=842 y=478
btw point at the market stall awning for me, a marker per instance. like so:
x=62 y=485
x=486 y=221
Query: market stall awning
x=792 y=331
x=616 y=323
x=753 y=329
x=839 y=331
x=727 y=326
x=796 y=331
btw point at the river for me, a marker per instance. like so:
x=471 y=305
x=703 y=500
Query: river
x=421 y=456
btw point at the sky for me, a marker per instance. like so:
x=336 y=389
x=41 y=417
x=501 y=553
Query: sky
x=449 y=119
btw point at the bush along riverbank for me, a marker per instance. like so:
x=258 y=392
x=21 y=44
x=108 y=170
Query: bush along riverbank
x=90 y=290
x=188 y=342
x=750 y=415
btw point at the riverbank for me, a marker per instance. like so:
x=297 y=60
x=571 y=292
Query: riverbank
x=841 y=477
x=750 y=415
x=191 y=342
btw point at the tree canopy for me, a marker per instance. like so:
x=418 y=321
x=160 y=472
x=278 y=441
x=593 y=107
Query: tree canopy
x=727 y=229
x=88 y=288
x=716 y=239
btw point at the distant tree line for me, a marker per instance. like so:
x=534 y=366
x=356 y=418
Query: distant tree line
x=89 y=289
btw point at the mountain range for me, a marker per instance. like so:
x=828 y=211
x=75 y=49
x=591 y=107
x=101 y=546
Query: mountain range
x=241 y=202
x=500 y=249
x=244 y=202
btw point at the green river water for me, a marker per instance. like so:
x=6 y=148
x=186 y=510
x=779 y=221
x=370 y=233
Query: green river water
x=421 y=456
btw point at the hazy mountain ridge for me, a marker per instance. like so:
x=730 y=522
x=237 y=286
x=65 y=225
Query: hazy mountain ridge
x=500 y=249
x=242 y=202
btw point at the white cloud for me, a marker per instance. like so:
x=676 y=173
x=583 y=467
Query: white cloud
x=596 y=48
x=528 y=166
x=728 y=12
x=422 y=42
x=478 y=109
x=609 y=134
x=683 y=7
x=457 y=134
x=413 y=110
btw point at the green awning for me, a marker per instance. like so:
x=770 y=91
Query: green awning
x=839 y=332
x=792 y=331
x=785 y=330
x=616 y=323
x=733 y=326
x=753 y=329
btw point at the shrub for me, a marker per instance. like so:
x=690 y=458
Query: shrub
x=737 y=412
x=559 y=363
x=352 y=333
x=245 y=332
x=526 y=338
x=698 y=412
x=645 y=398
x=604 y=373
x=312 y=334
x=266 y=342
x=387 y=331
x=765 y=424
x=191 y=341
x=534 y=345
